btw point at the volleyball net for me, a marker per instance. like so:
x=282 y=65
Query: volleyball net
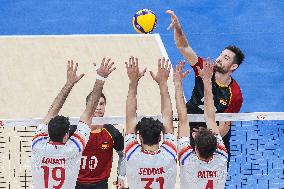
x=257 y=149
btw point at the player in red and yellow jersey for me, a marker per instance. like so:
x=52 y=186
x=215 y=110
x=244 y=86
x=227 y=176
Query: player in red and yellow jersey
x=226 y=91
x=96 y=162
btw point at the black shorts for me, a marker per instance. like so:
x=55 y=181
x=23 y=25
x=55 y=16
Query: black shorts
x=99 y=185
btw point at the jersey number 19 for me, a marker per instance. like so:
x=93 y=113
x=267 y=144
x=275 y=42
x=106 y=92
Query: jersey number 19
x=57 y=174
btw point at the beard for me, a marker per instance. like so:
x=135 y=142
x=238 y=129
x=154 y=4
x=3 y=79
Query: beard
x=220 y=69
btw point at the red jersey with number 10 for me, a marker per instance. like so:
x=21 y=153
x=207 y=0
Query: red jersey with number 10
x=96 y=161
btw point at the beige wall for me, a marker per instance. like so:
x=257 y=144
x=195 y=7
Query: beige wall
x=33 y=70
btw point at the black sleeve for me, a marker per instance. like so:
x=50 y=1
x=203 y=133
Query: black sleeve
x=72 y=130
x=117 y=137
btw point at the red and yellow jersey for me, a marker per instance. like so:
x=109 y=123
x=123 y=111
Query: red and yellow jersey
x=227 y=99
x=96 y=161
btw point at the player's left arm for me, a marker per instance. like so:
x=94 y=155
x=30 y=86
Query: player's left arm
x=119 y=147
x=178 y=76
x=224 y=127
x=121 y=169
x=161 y=77
x=234 y=107
x=134 y=76
x=209 y=107
x=72 y=79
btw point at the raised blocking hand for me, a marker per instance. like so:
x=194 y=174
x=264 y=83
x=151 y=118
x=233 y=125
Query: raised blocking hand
x=132 y=68
x=72 y=76
x=179 y=75
x=164 y=68
x=206 y=72
x=105 y=68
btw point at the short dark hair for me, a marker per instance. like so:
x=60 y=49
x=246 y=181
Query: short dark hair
x=150 y=130
x=58 y=127
x=205 y=142
x=72 y=130
x=89 y=96
x=239 y=54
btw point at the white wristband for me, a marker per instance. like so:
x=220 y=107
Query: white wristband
x=121 y=177
x=100 y=78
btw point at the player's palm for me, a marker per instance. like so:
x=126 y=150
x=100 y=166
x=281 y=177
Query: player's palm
x=164 y=68
x=105 y=68
x=72 y=76
x=174 y=20
x=178 y=74
x=133 y=70
x=206 y=72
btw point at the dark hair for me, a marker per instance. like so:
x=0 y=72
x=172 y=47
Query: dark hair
x=238 y=52
x=72 y=130
x=89 y=96
x=205 y=142
x=58 y=127
x=150 y=130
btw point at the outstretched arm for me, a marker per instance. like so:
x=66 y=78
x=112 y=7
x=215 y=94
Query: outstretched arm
x=161 y=77
x=224 y=127
x=102 y=73
x=179 y=75
x=209 y=107
x=58 y=102
x=131 y=102
x=180 y=39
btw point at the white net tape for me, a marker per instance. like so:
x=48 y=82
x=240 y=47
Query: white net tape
x=120 y=120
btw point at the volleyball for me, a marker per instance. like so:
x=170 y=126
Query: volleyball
x=144 y=21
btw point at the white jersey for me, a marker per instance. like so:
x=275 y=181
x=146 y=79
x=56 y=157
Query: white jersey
x=56 y=165
x=151 y=170
x=201 y=174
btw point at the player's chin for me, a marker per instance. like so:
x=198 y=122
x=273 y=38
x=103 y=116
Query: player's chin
x=99 y=114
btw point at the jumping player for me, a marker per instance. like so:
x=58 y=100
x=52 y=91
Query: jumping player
x=149 y=165
x=226 y=91
x=206 y=167
x=97 y=157
x=55 y=156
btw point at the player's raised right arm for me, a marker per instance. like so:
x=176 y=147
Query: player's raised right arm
x=72 y=79
x=131 y=102
x=178 y=76
x=209 y=107
x=180 y=39
x=161 y=77
x=102 y=73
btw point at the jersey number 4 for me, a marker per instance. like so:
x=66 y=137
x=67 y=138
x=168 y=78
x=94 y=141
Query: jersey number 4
x=58 y=174
x=209 y=185
x=160 y=180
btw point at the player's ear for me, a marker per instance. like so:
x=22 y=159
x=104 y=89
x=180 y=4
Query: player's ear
x=141 y=139
x=65 y=138
x=234 y=67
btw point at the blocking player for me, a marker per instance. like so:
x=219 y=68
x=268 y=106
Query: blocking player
x=226 y=91
x=149 y=165
x=206 y=167
x=55 y=156
x=97 y=157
